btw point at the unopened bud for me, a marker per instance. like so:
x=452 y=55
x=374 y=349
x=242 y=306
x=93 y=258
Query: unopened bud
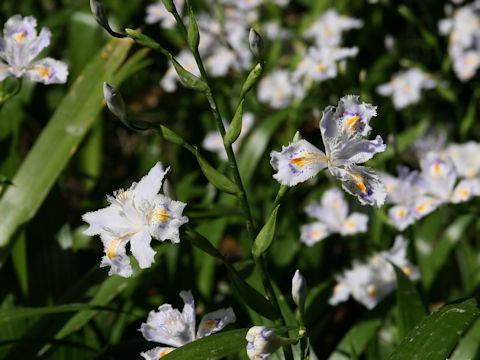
x=115 y=101
x=99 y=13
x=256 y=44
x=299 y=289
x=262 y=342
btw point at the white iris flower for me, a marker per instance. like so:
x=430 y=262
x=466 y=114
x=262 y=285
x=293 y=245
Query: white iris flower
x=344 y=134
x=20 y=45
x=368 y=283
x=405 y=86
x=174 y=328
x=136 y=216
x=332 y=217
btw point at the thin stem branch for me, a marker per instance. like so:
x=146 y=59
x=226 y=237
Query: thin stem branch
x=242 y=196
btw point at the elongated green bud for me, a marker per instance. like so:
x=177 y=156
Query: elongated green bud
x=193 y=33
x=265 y=237
x=190 y=80
x=216 y=178
x=252 y=79
x=235 y=127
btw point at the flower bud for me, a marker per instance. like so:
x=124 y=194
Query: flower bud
x=299 y=289
x=262 y=342
x=99 y=13
x=115 y=101
x=256 y=44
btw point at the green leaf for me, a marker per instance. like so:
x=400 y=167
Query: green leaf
x=216 y=178
x=193 y=34
x=469 y=118
x=265 y=236
x=19 y=260
x=468 y=347
x=19 y=313
x=409 y=304
x=203 y=244
x=111 y=287
x=436 y=336
x=235 y=127
x=212 y=347
x=188 y=79
x=252 y=297
x=357 y=338
x=58 y=141
x=433 y=256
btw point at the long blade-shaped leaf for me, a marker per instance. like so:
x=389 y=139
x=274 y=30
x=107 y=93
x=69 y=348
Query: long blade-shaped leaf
x=211 y=347
x=436 y=336
x=58 y=141
x=410 y=306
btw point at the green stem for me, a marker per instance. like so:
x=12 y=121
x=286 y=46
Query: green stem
x=218 y=119
x=16 y=90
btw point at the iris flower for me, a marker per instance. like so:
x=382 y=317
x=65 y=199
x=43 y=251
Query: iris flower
x=19 y=47
x=136 y=216
x=171 y=327
x=332 y=217
x=344 y=133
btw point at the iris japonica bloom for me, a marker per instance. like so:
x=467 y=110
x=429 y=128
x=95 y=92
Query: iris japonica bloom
x=403 y=193
x=405 y=87
x=331 y=217
x=174 y=328
x=320 y=64
x=369 y=282
x=344 y=133
x=20 y=45
x=438 y=178
x=327 y=30
x=136 y=216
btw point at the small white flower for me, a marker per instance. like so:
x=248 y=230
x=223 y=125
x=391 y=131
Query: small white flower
x=343 y=133
x=278 y=89
x=466 y=64
x=332 y=217
x=370 y=282
x=135 y=216
x=171 y=327
x=157 y=13
x=405 y=87
x=438 y=178
x=328 y=28
x=20 y=45
x=320 y=64
x=403 y=192
x=466 y=158
x=463 y=28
